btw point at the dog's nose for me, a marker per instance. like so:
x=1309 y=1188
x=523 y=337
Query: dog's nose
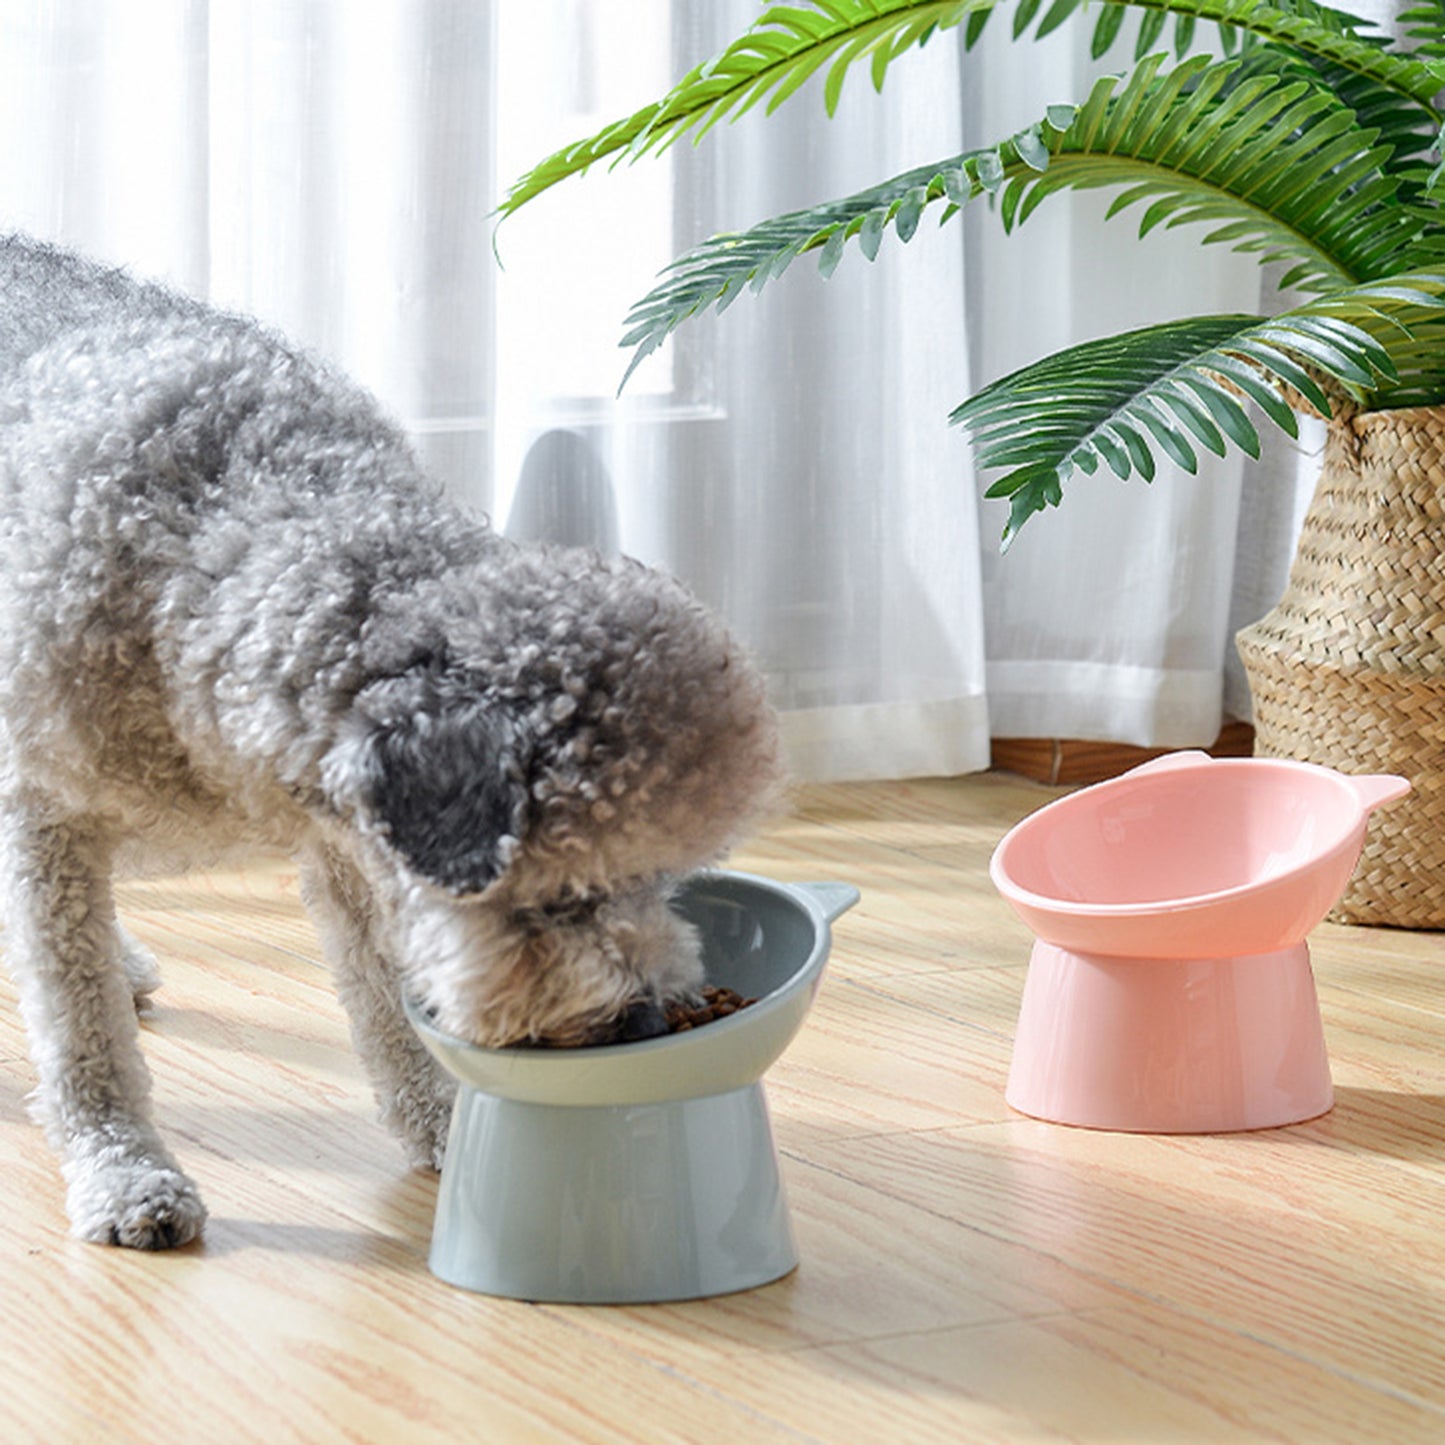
x=643 y=1020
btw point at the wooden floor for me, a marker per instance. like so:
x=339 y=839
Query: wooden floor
x=967 y=1274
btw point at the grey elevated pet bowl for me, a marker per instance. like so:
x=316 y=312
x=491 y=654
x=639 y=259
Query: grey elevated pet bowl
x=645 y=1171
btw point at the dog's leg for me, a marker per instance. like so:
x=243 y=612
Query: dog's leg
x=414 y=1093
x=63 y=946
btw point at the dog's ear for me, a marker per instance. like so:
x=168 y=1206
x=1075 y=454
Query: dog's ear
x=444 y=789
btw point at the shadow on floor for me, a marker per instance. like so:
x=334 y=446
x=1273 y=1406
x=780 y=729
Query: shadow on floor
x=1392 y=1123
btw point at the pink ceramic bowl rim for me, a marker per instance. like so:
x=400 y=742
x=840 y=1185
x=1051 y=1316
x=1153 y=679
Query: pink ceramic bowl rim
x=1364 y=793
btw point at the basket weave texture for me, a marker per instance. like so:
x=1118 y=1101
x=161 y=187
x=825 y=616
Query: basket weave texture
x=1349 y=668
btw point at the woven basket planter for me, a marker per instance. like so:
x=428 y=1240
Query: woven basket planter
x=1349 y=669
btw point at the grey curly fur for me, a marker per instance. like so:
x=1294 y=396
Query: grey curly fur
x=233 y=610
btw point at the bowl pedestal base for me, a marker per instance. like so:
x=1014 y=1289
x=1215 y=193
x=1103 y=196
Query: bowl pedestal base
x=1170 y=1046
x=659 y=1201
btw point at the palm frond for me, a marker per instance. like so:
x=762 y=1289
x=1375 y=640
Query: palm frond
x=1155 y=22
x=1424 y=26
x=1408 y=129
x=1178 y=386
x=1406 y=317
x=785 y=47
x=1279 y=167
x=789 y=44
x=719 y=270
x=1276 y=168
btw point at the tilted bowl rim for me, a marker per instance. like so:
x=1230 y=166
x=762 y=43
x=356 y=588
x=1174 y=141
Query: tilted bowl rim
x=1350 y=837
x=805 y=897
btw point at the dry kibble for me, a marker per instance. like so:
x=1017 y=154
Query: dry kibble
x=714 y=1003
x=717 y=1003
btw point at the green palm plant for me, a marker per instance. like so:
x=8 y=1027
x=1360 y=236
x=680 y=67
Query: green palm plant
x=1297 y=137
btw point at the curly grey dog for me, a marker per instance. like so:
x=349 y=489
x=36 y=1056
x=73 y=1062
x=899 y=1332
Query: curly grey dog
x=233 y=609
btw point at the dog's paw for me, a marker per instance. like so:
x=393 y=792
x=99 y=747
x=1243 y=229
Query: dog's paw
x=426 y=1154
x=422 y=1125
x=140 y=1205
x=142 y=971
x=428 y=1148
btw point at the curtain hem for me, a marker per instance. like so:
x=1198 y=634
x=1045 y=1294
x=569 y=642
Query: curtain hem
x=1146 y=706
x=887 y=740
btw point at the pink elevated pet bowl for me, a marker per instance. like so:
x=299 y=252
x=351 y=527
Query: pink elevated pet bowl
x=1169 y=989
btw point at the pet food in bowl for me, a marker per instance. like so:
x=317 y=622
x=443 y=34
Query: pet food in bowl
x=716 y=1003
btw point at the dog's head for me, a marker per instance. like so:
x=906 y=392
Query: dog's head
x=554 y=754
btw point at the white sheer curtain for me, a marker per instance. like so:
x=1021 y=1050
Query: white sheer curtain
x=331 y=166
x=1113 y=616
x=789 y=458
x=325 y=166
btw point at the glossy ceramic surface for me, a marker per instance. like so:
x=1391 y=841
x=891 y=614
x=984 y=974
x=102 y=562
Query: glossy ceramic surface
x=1191 y=856
x=619 y=1204
x=642 y=1171
x=1170 y=988
x=1178 y=1046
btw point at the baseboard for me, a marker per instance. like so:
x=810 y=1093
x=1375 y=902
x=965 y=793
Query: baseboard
x=1075 y=761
